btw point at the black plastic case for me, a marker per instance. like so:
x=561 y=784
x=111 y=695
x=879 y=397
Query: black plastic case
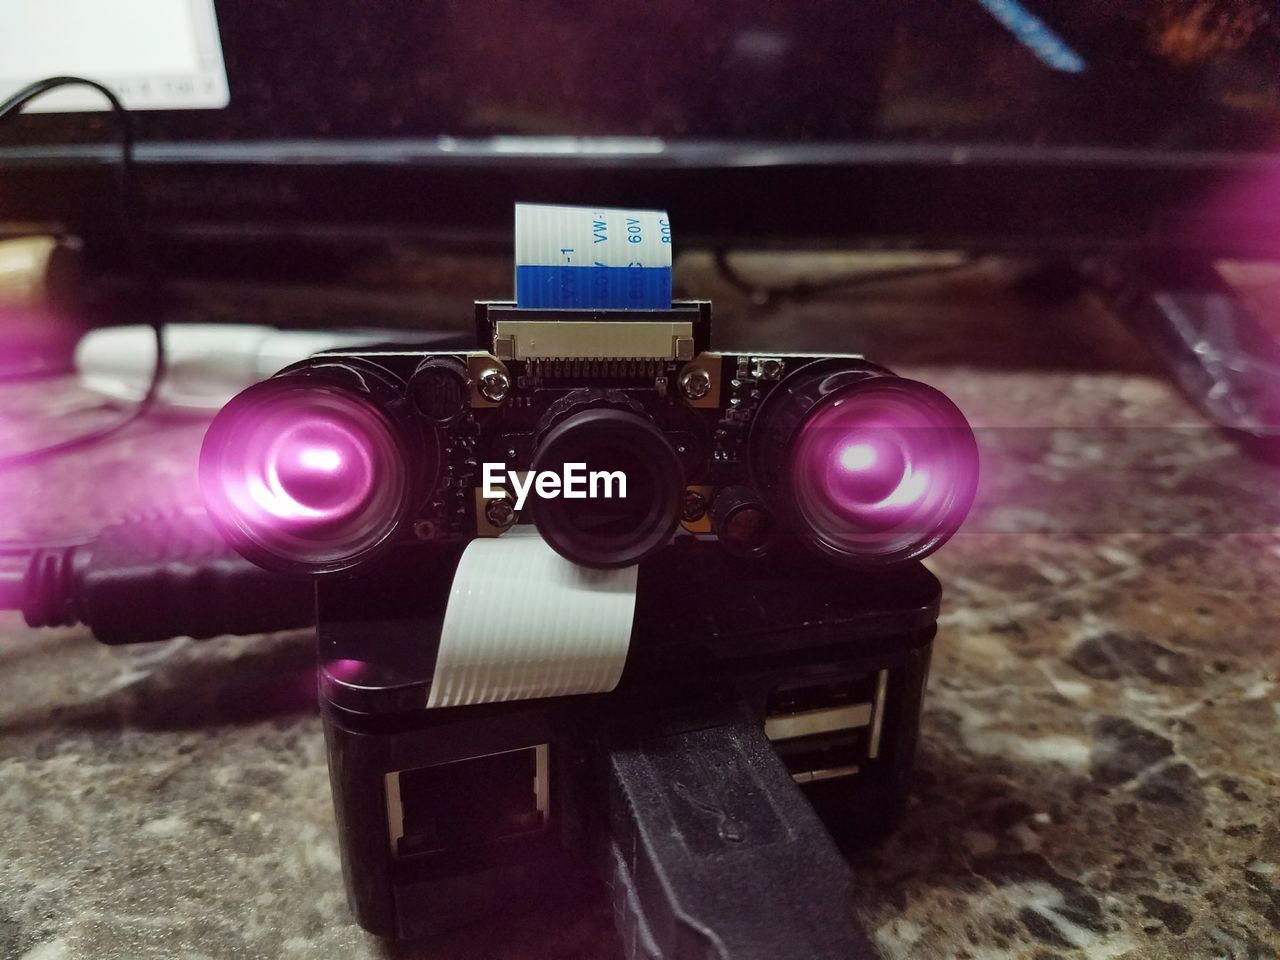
x=691 y=789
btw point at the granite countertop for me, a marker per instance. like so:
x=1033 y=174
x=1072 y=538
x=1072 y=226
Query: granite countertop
x=1098 y=775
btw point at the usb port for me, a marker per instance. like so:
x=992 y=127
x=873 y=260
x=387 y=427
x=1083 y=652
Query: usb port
x=827 y=731
x=812 y=723
x=468 y=803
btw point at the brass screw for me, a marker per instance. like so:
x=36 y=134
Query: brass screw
x=695 y=506
x=695 y=383
x=500 y=512
x=494 y=385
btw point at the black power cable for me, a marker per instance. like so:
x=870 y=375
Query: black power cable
x=20 y=548
x=152 y=578
x=130 y=213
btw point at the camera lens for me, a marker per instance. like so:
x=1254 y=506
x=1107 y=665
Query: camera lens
x=633 y=485
x=870 y=468
x=305 y=475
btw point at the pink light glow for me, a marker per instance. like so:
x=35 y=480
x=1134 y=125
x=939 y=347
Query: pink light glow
x=316 y=470
x=320 y=458
x=869 y=469
x=881 y=467
x=311 y=474
x=858 y=456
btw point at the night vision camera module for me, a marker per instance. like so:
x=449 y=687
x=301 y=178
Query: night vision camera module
x=609 y=431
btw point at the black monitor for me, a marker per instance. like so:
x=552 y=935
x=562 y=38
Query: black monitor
x=1003 y=124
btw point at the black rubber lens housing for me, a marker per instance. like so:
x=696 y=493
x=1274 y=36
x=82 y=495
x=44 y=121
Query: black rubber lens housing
x=618 y=531
x=404 y=458
x=934 y=434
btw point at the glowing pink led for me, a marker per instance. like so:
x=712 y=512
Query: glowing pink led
x=883 y=468
x=322 y=459
x=858 y=457
x=867 y=468
x=314 y=471
x=308 y=473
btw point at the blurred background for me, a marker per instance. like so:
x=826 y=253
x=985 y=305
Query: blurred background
x=1065 y=215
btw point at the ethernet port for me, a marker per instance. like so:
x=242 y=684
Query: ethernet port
x=468 y=803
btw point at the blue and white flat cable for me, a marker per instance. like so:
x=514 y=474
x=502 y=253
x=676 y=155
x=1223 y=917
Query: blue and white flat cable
x=582 y=258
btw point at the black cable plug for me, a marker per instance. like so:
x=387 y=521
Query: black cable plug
x=163 y=576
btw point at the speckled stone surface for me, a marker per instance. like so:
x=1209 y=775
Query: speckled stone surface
x=1099 y=774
